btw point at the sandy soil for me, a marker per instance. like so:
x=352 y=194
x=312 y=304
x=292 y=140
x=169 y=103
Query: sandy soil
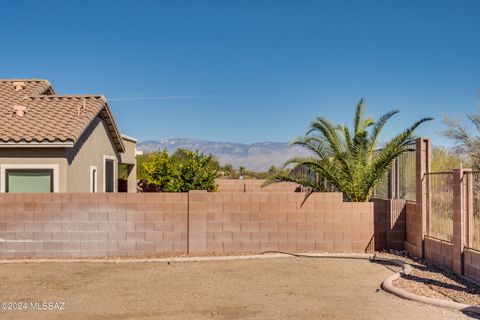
x=287 y=288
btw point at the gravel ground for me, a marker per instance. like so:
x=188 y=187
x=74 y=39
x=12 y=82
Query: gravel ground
x=285 y=288
x=429 y=280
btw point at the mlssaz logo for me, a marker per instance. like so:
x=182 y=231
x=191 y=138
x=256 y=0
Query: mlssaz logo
x=47 y=305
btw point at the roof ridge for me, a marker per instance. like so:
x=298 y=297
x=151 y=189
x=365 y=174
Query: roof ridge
x=68 y=96
x=25 y=79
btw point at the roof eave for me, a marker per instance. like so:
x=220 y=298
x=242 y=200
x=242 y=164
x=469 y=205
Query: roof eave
x=36 y=144
x=116 y=136
x=128 y=138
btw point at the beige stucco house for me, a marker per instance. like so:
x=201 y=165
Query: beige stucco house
x=59 y=143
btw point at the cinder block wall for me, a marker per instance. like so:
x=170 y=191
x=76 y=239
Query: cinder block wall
x=413 y=227
x=389 y=224
x=472 y=264
x=251 y=222
x=164 y=224
x=254 y=185
x=92 y=225
x=440 y=252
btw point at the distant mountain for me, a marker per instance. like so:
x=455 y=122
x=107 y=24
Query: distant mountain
x=256 y=157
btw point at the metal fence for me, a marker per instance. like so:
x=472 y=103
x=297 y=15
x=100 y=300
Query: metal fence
x=473 y=209
x=306 y=173
x=406 y=171
x=399 y=182
x=381 y=191
x=440 y=213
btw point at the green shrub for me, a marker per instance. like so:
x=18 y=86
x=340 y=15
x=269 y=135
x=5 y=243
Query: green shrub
x=182 y=171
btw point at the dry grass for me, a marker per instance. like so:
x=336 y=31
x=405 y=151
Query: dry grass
x=441 y=205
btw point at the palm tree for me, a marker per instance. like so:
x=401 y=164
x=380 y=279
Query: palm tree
x=346 y=158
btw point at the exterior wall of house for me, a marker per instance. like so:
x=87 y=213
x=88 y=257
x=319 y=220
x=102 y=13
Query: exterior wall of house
x=32 y=158
x=129 y=158
x=90 y=150
x=72 y=172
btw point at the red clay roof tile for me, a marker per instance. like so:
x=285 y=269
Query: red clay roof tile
x=49 y=117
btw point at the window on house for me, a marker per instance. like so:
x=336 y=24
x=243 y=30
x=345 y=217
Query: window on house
x=29 y=180
x=109 y=175
x=93 y=179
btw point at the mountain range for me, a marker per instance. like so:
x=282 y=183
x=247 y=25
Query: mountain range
x=257 y=156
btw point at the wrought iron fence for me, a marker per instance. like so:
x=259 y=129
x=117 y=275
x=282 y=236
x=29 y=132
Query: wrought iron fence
x=473 y=209
x=381 y=191
x=440 y=213
x=406 y=170
x=306 y=173
x=400 y=181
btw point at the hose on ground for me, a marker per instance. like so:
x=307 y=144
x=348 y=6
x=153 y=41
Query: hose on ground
x=373 y=258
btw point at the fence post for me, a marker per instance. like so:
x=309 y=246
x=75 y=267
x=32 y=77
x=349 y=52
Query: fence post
x=422 y=166
x=459 y=217
x=469 y=207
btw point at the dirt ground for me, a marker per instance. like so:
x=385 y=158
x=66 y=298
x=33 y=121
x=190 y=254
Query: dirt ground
x=286 y=288
x=429 y=280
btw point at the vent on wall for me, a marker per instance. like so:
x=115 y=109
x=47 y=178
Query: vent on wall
x=19 y=110
x=19 y=85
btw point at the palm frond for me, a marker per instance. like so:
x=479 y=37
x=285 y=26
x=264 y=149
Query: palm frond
x=377 y=128
x=344 y=156
x=358 y=116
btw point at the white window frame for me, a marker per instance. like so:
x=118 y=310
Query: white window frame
x=92 y=183
x=53 y=167
x=115 y=169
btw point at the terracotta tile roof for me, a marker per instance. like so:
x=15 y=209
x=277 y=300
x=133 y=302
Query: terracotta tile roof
x=49 y=117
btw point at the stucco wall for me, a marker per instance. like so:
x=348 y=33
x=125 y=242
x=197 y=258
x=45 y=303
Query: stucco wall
x=128 y=157
x=73 y=163
x=93 y=145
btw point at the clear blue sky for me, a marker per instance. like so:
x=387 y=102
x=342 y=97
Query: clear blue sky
x=249 y=71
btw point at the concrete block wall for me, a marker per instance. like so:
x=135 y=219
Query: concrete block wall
x=472 y=264
x=389 y=224
x=412 y=227
x=440 y=252
x=252 y=222
x=92 y=225
x=164 y=224
x=254 y=185
x=455 y=255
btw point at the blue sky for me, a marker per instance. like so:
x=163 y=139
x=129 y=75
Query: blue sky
x=248 y=71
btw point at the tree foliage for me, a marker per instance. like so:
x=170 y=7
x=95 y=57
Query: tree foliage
x=182 y=171
x=446 y=160
x=467 y=144
x=348 y=157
